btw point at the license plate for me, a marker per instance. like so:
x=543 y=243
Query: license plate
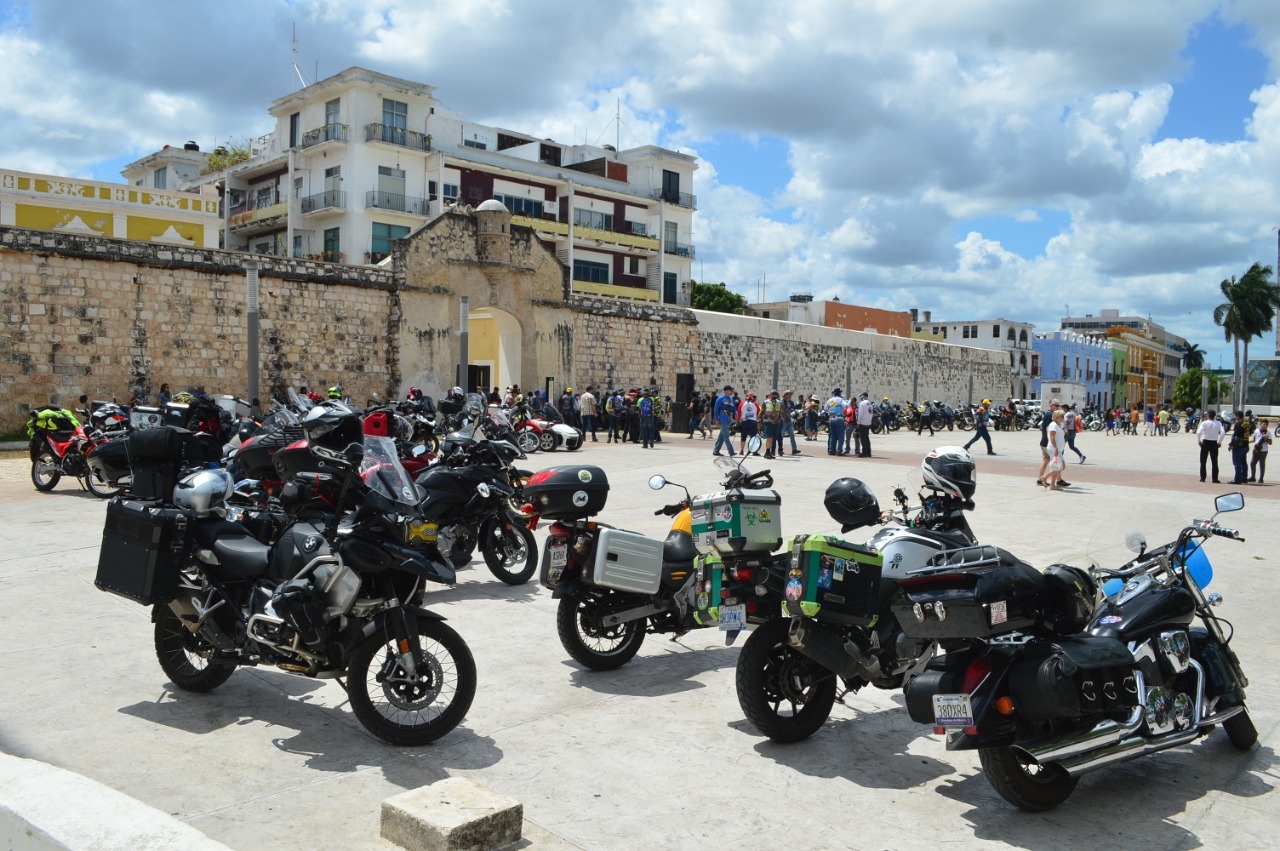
x=733 y=617
x=952 y=710
x=558 y=555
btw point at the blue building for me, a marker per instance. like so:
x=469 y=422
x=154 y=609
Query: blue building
x=1066 y=356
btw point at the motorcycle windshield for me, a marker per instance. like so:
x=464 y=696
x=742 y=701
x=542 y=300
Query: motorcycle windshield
x=382 y=473
x=727 y=466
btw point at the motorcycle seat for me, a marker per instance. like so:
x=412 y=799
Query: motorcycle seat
x=240 y=555
x=677 y=558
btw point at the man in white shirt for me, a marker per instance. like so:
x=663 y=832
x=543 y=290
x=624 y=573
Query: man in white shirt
x=864 y=427
x=1209 y=435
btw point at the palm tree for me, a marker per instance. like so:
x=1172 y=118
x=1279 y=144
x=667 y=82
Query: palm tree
x=1248 y=312
x=1193 y=357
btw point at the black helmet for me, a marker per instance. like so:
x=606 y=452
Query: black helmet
x=1070 y=595
x=950 y=469
x=851 y=504
x=332 y=425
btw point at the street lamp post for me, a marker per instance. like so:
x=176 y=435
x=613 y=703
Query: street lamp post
x=251 y=280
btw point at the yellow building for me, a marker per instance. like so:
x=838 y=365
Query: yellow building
x=87 y=207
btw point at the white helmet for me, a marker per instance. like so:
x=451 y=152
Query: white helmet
x=950 y=469
x=204 y=492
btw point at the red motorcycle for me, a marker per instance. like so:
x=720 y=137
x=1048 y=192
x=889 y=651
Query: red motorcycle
x=58 y=447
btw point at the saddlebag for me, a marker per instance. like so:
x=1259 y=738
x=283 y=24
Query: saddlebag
x=143 y=547
x=1072 y=677
x=625 y=561
x=975 y=592
x=832 y=580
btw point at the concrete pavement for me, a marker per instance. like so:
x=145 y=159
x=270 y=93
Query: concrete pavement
x=658 y=753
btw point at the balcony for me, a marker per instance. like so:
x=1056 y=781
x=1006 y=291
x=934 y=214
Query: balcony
x=323 y=201
x=680 y=199
x=397 y=136
x=327 y=133
x=546 y=226
x=397 y=203
x=615 y=291
x=259 y=212
x=679 y=249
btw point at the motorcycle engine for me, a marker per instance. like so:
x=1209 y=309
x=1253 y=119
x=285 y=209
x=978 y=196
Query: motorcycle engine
x=301 y=605
x=1163 y=661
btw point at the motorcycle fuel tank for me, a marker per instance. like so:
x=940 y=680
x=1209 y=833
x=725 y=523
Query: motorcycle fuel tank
x=1143 y=605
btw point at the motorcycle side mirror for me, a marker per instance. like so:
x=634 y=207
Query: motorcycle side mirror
x=657 y=482
x=754 y=443
x=1229 y=502
x=1136 y=542
x=354 y=454
x=83 y=398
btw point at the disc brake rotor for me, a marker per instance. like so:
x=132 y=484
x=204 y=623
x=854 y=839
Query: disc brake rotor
x=411 y=693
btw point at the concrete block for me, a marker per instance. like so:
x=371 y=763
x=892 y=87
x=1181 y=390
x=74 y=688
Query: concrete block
x=451 y=815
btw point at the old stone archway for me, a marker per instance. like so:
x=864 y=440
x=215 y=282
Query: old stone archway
x=516 y=292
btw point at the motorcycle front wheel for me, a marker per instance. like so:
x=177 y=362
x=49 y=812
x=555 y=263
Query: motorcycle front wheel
x=527 y=440
x=185 y=657
x=588 y=641
x=45 y=471
x=98 y=486
x=416 y=709
x=1027 y=786
x=1240 y=730
x=511 y=553
x=786 y=696
x=547 y=441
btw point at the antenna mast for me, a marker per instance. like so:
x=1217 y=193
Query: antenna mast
x=296 y=71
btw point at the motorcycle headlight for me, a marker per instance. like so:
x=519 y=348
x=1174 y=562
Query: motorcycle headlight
x=483 y=490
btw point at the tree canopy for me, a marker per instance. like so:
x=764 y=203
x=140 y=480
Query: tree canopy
x=225 y=156
x=1249 y=309
x=1193 y=357
x=1186 y=392
x=715 y=297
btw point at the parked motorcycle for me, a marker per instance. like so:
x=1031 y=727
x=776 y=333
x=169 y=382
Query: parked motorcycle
x=329 y=599
x=1047 y=687
x=60 y=446
x=615 y=586
x=836 y=627
x=553 y=433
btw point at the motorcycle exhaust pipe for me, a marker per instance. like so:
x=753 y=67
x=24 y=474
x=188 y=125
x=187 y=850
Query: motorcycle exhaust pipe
x=1123 y=751
x=1062 y=748
x=826 y=648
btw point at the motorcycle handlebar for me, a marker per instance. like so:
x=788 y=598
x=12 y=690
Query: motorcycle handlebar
x=1224 y=532
x=671 y=510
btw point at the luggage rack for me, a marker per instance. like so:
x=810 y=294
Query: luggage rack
x=948 y=561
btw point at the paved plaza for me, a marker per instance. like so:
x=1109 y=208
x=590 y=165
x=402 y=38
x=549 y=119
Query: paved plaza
x=657 y=754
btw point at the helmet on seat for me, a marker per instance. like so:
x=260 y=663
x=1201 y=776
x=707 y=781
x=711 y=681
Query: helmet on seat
x=456 y=392
x=1070 y=596
x=950 y=469
x=335 y=392
x=851 y=503
x=332 y=425
x=204 y=492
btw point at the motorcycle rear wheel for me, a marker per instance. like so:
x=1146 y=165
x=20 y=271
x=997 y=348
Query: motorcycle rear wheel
x=505 y=549
x=1240 y=730
x=786 y=696
x=45 y=470
x=184 y=657
x=598 y=647
x=1028 y=787
x=412 y=712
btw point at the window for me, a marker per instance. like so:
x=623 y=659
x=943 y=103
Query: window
x=670 y=187
x=1064 y=366
x=297 y=187
x=595 y=273
x=332 y=243
x=966 y=332
x=633 y=265
x=295 y=130
x=264 y=196
x=332 y=115
x=297 y=245
x=521 y=206
x=592 y=219
x=995 y=332
x=395 y=114
x=160 y=178
x=973 y=332
x=669 y=294
x=431 y=190
x=670 y=236
x=380 y=244
x=472 y=143
x=262 y=247
x=451 y=191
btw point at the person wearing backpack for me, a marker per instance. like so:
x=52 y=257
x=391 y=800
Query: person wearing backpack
x=771 y=414
x=648 y=421
x=748 y=422
x=1073 y=424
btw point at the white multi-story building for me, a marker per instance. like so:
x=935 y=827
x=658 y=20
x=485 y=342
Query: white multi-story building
x=361 y=159
x=994 y=334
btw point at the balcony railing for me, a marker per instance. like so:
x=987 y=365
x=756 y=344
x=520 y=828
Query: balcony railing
x=397 y=136
x=635 y=228
x=327 y=133
x=398 y=203
x=682 y=199
x=324 y=200
x=255 y=201
x=679 y=249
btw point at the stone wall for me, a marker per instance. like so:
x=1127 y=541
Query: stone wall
x=98 y=316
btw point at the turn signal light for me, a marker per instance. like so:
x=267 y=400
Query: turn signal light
x=1004 y=705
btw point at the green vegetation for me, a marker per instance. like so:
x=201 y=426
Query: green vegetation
x=715 y=297
x=1186 y=392
x=1250 y=306
x=225 y=156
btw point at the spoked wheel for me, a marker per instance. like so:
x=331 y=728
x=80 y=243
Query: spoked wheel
x=186 y=657
x=1027 y=786
x=786 y=696
x=547 y=441
x=510 y=552
x=45 y=471
x=591 y=643
x=406 y=708
x=527 y=440
x=98 y=485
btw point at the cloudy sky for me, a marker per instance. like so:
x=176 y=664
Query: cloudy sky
x=984 y=158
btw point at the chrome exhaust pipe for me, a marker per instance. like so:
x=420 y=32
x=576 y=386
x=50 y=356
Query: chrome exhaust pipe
x=1123 y=751
x=1059 y=748
x=827 y=649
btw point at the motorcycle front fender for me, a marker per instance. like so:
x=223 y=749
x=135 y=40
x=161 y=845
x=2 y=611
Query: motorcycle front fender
x=383 y=622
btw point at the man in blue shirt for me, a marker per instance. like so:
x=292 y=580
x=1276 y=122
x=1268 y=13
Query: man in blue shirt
x=724 y=412
x=835 y=422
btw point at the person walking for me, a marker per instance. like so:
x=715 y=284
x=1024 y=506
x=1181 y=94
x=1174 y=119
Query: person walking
x=981 y=422
x=1261 y=445
x=850 y=425
x=1162 y=422
x=865 y=414
x=724 y=411
x=789 y=406
x=1045 y=456
x=1239 y=446
x=1057 y=441
x=1073 y=424
x=812 y=410
x=1209 y=435
x=695 y=415
x=925 y=410
x=771 y=417
x=748 y=422
x=647 y=406
x=587 y=406
x=835 y=422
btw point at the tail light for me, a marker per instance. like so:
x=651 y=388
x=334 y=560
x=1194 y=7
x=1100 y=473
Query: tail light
x=975 y=674
x=741 y=574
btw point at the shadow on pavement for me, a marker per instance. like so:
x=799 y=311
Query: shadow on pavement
x=654 y=676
